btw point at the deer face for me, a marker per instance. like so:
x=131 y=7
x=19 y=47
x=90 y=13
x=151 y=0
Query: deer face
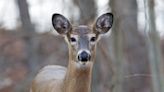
x=82 y=39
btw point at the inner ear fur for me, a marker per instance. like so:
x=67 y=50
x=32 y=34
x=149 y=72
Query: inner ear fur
x=61 y=24
x=103 y=23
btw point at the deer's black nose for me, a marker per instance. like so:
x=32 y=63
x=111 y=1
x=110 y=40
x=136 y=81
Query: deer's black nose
x=84 y=56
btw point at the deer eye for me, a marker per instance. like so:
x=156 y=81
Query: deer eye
x=93 y=39
x=72 y=39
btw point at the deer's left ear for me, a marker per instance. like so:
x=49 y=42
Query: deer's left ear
x=103 y=23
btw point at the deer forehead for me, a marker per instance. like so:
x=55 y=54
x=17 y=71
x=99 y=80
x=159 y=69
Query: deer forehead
x=82 y=30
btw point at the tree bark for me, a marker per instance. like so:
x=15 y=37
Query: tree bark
x=24 y=16
x=29 y=34
x=31 y=40
x=87 y=11
x=156 y=64
x=135 y=52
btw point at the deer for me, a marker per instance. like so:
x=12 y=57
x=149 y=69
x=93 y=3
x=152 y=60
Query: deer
x=82 y=42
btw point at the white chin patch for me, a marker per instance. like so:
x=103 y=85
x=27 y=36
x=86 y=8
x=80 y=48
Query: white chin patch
x=83 y=63
x=80 y=64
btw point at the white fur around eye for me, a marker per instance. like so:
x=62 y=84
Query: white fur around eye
x=73 y=39
x=92 y=38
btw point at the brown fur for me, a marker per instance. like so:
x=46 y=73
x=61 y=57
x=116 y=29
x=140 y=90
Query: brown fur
x=75 y=80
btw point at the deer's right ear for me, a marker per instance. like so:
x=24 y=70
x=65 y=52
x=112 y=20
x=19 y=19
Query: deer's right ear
x=61 y=24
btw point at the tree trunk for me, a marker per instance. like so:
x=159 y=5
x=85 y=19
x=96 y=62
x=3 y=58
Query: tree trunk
x=87 y=11
x=25 y=17
x=156 y=64
x=125 y=14
x=29 y=33
x=31 y=40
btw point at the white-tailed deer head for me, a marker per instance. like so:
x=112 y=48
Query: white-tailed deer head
x=82 y=39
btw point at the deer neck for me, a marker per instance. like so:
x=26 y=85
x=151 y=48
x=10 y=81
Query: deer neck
x=78 y=78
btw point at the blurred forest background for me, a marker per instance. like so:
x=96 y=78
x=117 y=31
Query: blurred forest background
x=129 y=60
